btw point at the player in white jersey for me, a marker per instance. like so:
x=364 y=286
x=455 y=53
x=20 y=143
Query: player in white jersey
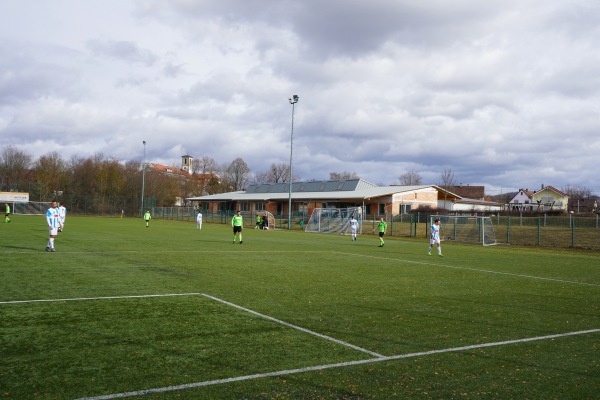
x=53 y=221
x=353 y=227
x=434 y=238
x=199 y=221
x=62 y=214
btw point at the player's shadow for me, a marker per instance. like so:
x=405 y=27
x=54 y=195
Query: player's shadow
x=20 y=248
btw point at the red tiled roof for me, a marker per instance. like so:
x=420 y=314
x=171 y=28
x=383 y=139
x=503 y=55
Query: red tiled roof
x=554 y=190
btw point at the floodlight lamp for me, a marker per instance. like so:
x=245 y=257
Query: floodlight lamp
x=294 y=99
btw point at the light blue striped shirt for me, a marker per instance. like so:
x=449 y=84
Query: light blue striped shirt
x=53 y=218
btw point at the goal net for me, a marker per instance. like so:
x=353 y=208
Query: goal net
x=334 y=220
x=31 y=208
x=469 y=229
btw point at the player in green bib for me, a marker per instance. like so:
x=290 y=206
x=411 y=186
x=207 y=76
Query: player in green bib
x=258 y=222
x=236 y=223
x=381 y=227
x=147 y=218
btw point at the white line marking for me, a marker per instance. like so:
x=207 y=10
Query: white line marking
x=212 y=298
x=471 y=269
x=294 y=326
x=330 y=366
x=101 y=298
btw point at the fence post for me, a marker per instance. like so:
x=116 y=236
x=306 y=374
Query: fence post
x=508 y=230
x=539 y=231
x=573 y=233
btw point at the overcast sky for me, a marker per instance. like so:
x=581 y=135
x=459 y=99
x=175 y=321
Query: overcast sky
x=505 y=93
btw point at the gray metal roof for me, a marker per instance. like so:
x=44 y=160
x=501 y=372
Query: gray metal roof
x=311 y=186
x=321 y=190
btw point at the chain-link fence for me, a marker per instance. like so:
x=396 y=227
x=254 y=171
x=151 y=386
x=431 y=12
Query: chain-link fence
x=543 y=230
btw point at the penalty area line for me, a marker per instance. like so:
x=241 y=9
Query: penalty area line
x=293 y=326
x=330 y=366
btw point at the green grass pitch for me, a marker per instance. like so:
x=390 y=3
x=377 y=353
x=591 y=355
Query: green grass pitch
x=170 y=312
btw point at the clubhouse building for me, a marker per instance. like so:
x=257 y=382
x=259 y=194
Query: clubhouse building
x=375 y=200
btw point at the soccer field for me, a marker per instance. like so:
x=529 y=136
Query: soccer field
x=164 y=312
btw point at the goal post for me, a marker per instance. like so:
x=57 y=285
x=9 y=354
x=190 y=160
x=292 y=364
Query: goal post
x=334 y=220
x=468 y=229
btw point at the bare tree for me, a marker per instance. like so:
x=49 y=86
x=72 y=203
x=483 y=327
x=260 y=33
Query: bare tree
x=14 y=167
x=411 y=178
x=279 y=173
x=236 y=175
x=204 y=165
x=340 y=176
x=448 y=178
x=577 y=192
x=261 y=177
x=205 y=179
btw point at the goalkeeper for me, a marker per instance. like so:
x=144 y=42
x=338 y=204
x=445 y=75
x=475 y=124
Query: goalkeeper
x=434 y=237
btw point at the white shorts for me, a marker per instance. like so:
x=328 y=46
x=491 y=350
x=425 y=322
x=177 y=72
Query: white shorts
x=53 y=231
x=434 y=240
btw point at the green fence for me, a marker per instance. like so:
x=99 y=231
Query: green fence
x=544 y=230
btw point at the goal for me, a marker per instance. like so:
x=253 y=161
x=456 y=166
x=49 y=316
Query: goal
x=469 y=229
x=334 y=220
x=270 y=219
x=31 y=208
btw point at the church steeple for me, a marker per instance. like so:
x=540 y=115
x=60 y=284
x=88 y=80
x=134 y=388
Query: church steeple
x=186 y=163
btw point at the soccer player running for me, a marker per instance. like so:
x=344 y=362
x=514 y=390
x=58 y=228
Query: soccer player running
x=381 y=227
x=147 y=218
x=53 y=221
x=353 y=227
x=199 y=221
x=236 y=223
x=434 y=238
x=7 y=214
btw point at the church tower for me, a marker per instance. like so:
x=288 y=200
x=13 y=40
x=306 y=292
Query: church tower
x=186 y=163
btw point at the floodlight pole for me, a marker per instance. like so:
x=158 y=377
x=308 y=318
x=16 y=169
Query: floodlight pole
x=143 y=176
x=293 y=100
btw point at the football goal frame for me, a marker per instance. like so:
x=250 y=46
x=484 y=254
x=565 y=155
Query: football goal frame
x=467 y=229
x=334 y=220
x=31 y=207
x=270 y=219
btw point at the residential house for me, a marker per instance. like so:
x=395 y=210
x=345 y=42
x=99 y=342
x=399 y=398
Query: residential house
x=546 y=199
x=521 y=201
x=549 y=199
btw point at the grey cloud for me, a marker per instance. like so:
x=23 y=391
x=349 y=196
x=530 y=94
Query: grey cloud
x=29 y=72
x=122 y=50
